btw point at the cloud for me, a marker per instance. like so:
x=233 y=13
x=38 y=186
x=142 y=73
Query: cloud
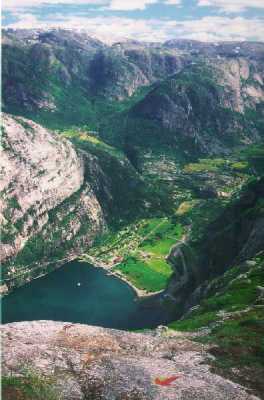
x=18 y=4
x=232 y=6
x=217 y=28
x=130 y=4
x=110 y=4
x=173 y=2
x=112 y=29
x=108 y=29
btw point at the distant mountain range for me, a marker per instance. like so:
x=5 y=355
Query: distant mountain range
x=208 y=96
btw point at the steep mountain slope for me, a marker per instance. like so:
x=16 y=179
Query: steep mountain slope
x=41 y=175
x=38 y=65
x=205 y=96
x=218 y=283
x=56 y=199
x=210 y=107
x=71 y=74
x=230 y=317
x=236 y=235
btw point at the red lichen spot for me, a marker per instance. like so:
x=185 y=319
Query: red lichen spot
x=166 y=381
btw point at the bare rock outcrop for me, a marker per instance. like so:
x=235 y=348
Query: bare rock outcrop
x=237 y=235
x=44 y=196
x=97 y=363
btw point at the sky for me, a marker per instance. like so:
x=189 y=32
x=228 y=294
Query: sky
x=150 y=20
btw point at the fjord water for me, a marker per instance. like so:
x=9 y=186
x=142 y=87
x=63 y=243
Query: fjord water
x=79 y=292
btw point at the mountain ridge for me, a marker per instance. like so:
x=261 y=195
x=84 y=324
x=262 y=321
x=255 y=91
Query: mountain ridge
x=78 y=81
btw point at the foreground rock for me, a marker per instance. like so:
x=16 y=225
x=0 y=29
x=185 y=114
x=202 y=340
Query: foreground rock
x=96 y=363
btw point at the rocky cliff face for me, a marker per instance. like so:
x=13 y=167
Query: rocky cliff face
x=94 y=363
x=41 y=173
x=234 y=237
x=68 y=58
x=189 y=94
x=206 y=106
x=49 y=58
x=58 y=196
x=242 y=79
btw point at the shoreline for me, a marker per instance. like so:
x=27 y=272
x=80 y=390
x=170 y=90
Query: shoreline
x=140 y=293
x=5 y=289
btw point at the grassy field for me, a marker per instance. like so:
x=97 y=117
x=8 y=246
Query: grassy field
x=160 y=240
x=151 y=276
x=142 y=249
x=85 y=139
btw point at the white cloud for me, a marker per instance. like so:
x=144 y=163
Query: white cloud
x=110 y=4
x=232 y=5
x=173 y=2
x=13 y=4
x=108 y=29
x=216 y=28
x=111 y=29
x=130 y=4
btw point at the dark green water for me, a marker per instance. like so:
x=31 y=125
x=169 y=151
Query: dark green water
x=101 y=300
